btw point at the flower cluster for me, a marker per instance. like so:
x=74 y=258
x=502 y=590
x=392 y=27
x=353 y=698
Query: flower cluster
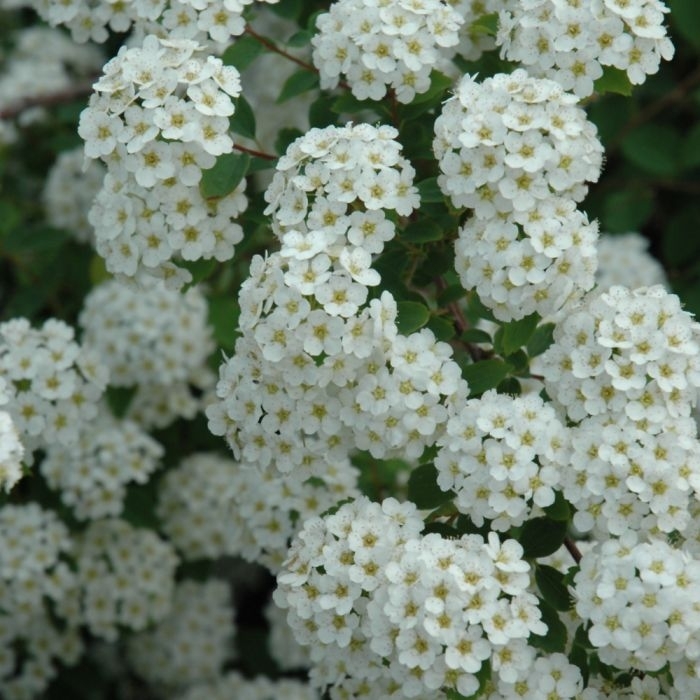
x=69 y=193
x=385 y=45
x=502 y=456
x=640 y=599
x=624 y=259
x=35 y=578
x=377 y=601
x=518 y=151
x=125 y=577
x=203 y=21
x=52 y=383
x=234 y=685
x=92 y=475
x=287 y=653
x=155 y=339
x=192 y=643
x=212 y=507
x=159 y=116
x=571 y=42
x=624 y=366
x=11 y=448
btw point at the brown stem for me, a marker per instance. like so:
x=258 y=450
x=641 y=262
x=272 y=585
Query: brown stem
x=253 y=152
x=273 y=47
x=68 y=94
x=574 y=551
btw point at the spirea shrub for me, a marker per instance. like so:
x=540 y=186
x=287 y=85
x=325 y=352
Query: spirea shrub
x=452 y=449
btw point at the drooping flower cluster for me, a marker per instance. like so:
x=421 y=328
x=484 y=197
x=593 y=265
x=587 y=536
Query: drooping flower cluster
x=571 y=42
x=35 y=578
x=641 y=600
x=52 y=383
x=518 y=151
x=502 y=456
x=213 y=507
x=125 y=577
x=378 y=46
x=154 y=339
x=380 y=603
x=624 y=366
x=159 y=117
x=190 y=645
x=69 y=193
x=317 y=371
x=92 y=474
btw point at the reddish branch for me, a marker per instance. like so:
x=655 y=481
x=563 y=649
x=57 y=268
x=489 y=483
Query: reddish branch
x=49 y=100
x=574 y=551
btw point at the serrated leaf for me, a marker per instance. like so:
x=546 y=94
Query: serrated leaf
x=476 y=307
x=517 y=333
x=242 y=52
x=553 y=588
x=541 y=339
x=541 y=537
x=224 y=176
x=560 y=509
x=242 y=121
x=484 y=375
x=423 y=231
x=429 y=191
x=297 y=83
x=554 y=641
x=423 y=488
x=654 y=148
x=613 y=80
x=411 y=316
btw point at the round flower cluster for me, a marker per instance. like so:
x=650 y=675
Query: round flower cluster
x=159 y=116
x=155 y=339
x=69 y=193
x=385 y=45
x=518 y=151
x=624 y=259
x=316 y=371
x=624 y=366
x=234 y=685
x=35 y=578
x=363 y=587
x=53 y=384
x=11 y=447
x=125 y=577
x=92 y=475
x=571 y=42
x=203 y=21
x=502 y=456
x=192 y=643
x=641 y=600
x=211 y=506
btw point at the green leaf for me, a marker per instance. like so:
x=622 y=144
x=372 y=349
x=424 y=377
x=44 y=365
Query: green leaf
x=475 y=335
x=541 y=339
x=517 y=333
x=429 y=191
x=223 y=317
x=347 y=103
x=452 y=293
x=486 y=24
x=541 y=537
x=442 y=328
x=555 y=639
x=628 y=210
x=297 y=83
x=199 y=269
x=485 y=375
x=613 y=80
x=654 y=148
x=411 y=316
x=119 y=398
x=423 y=488
x=560 y=509
x=242 y=121
x=224 y=176
x=34 y=239
x=439 y=82
x=510 y=386
x=685 y=17
x=242 y=52
x=423 y=231
x=321 y=112
x=477 y=308
x=301 y=38
x=289 y=9
x=552 y=586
